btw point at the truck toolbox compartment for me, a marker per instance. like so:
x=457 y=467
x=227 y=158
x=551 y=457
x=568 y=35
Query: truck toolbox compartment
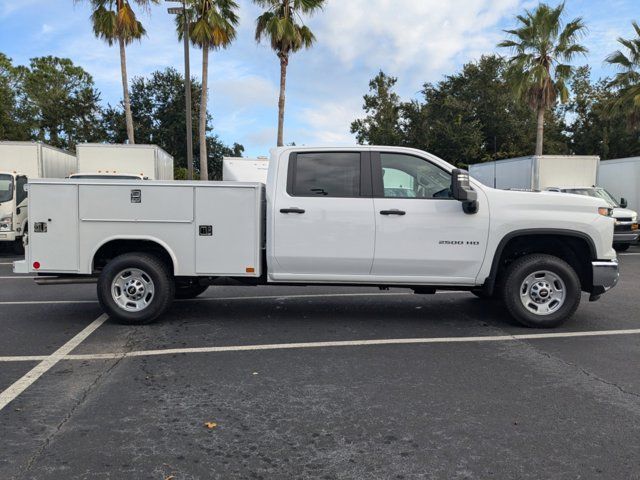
x=53 y=215
x=228 y=230
x=137 y=202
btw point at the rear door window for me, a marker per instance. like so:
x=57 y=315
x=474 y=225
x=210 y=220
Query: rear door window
x=330 y=174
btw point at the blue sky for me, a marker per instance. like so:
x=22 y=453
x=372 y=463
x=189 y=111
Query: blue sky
x=415 y=40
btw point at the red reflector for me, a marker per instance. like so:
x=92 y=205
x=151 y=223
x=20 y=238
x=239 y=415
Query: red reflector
x=36 y=265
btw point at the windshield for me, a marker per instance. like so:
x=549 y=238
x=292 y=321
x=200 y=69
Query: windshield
x=595 y=193
x=602 y=193
x=6 y=188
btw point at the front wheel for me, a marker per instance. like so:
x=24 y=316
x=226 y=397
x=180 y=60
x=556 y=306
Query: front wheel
x=18 y=246
x=135 y=288
x=541 y=291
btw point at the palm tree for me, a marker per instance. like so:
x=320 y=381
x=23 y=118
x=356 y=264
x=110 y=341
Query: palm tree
x=212 y=25
x=115 y=21
x=539 y=68
x=281 y=25
x=628 y=79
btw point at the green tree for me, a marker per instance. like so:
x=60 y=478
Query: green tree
x=596 y=128
x=382 y=105
x=61 y=101
x=627 y=81
x=212 y=25
x=453 y=131
x=115 y=21
x=13 y=125
x=280 y=25
x=467 y=117
x=158 y=106
x=540 y=66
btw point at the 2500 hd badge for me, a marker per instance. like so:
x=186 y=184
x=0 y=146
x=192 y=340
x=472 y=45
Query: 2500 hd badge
x=458 y=242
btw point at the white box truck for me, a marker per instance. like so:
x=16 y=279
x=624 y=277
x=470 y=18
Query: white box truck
x=621 y=177
x=19 y=163
x=377 y=216
x=98 y=160
x=538 y=172
x=577 y=175
x=238 y=169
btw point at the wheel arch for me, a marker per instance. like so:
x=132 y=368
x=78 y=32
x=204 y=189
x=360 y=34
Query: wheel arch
x=118 y=245
x=560 y=242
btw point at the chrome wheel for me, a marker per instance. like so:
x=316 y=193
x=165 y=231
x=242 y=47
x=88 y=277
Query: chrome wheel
x=543 y=293
x=132 y=290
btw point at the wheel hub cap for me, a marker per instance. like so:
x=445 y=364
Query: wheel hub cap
x=542 y=293
x=132 y=290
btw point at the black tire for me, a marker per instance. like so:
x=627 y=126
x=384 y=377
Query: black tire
x=18 y=246
x=621 y=247
x=157 y=272
x=515 y=277
x=189 y=289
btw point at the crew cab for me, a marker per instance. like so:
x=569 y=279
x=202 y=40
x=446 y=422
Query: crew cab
x=377 y=216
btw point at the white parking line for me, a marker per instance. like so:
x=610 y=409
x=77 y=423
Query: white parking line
x=48 y=362
x=47 y=302
x=11 y=277
x=225 y=299
x=628 y=254
x=348 y=343
x=6 y=263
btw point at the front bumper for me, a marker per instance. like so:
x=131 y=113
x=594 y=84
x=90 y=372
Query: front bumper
x=21 y=266
x=605 y=276
x=8 y=236
x=629 y=237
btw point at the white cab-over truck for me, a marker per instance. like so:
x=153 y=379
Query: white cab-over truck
x=20 y=162
x=378 y=216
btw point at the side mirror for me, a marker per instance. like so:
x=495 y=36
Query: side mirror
x=462 y=191
x=623 y=203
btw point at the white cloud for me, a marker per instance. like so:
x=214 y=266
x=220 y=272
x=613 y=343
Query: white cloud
x=327 y=123
x=397 y=35
x=241 y=89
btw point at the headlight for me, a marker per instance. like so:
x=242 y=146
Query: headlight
x=607 y=212
x=6 y=223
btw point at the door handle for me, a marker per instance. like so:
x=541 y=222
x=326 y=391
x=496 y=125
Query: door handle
x=393 y=212
x=292 y=210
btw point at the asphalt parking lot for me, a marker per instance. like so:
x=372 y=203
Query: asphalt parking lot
x=317 y=383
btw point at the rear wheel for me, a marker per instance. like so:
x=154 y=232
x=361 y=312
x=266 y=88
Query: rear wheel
x=621 y=247
x=541 y=291
x=135 y=288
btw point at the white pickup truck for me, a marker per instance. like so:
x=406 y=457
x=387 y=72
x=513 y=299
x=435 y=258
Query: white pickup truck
x=381 y=216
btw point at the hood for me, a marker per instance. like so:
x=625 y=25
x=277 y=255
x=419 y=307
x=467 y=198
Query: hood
x=564 y=201
x=625 y=213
